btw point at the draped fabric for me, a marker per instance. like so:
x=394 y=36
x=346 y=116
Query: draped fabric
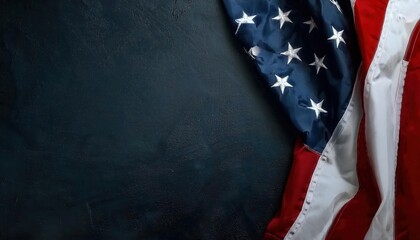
x=355 y=170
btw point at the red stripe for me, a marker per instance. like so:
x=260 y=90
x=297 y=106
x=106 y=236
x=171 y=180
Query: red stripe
x=407 y=200
x=304 y=164
x=354 y=219
x=369 y=17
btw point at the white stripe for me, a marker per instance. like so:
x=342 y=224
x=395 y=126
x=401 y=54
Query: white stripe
x=352 y=3
x=382 y=103
x=334 y=181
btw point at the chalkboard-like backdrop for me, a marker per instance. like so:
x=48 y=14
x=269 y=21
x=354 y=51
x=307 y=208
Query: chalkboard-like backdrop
x=128 y=119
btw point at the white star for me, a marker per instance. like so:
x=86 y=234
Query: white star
x=336 y=5
x=311 y=24
x=291 y=53
x=317 y=107
x=337 y=36
x=318 y=63
x=245 y=19
x=253 y=52
x=282 y=83
x=283 y=17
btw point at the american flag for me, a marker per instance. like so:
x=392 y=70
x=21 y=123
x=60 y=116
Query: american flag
x=346 y=75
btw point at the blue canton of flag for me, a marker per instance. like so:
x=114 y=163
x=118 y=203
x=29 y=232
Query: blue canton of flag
x=306 y=53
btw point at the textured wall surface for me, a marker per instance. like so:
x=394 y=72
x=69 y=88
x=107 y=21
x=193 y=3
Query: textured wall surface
x=133 y=119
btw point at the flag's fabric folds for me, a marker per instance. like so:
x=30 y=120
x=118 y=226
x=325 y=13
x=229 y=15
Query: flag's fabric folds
x=355 y=172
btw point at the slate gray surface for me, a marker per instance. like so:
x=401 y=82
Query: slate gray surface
x=130 y=119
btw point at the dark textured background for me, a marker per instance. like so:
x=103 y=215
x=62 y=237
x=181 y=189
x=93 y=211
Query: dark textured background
x=134 y=119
